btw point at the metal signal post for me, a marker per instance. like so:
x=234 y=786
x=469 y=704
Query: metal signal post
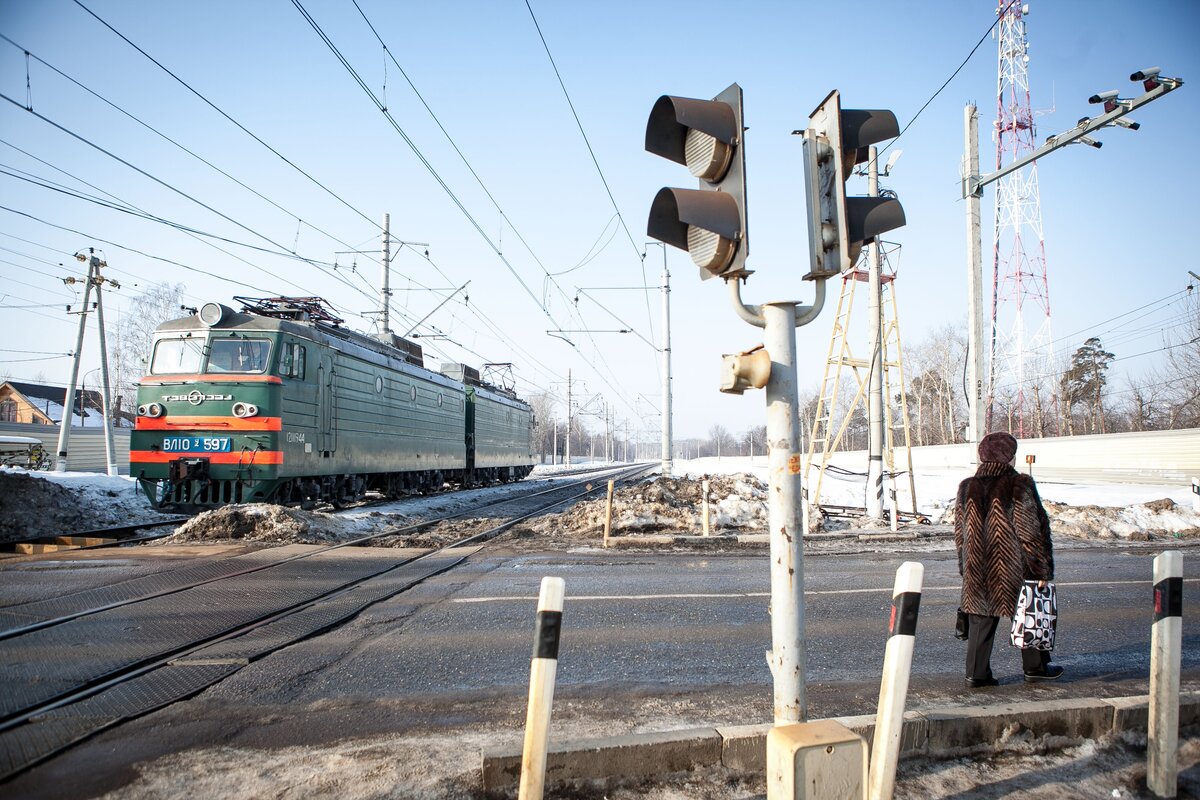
x=710 y=224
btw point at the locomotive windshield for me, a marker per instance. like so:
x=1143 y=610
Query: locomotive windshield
x=238 y=355
x=176 y=356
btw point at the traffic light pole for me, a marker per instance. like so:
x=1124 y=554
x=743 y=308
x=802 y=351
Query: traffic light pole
x=785 y=496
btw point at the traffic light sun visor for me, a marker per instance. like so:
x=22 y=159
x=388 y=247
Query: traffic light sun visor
x=862 y=128
x=673 y=210
x=672 y=117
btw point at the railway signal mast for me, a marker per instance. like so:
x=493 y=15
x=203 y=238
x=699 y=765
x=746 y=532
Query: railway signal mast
x=710 y=224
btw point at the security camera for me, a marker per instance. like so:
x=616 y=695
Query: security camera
x=1104 y=97
x=1147 y=74
x=1126 y=123
x=1090 y=142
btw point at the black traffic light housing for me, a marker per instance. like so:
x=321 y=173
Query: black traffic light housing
x=838 y=226
x=709 y=222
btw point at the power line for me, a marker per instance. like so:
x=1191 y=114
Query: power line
x=162 y=135
x=953 y=75
x=239 y=125
x=283 y=250
x=130 y=249
x=420 y=156
x=595 y=161
x=128 y=208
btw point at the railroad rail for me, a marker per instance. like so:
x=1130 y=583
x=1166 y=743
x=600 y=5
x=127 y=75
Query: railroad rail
x=165 y=637
x=100 y=537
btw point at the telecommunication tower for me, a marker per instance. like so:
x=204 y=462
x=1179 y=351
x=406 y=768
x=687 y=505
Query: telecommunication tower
x=1020 y=369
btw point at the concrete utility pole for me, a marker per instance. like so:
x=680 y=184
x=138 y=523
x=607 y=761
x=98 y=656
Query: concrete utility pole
x=875 y=432
x=1115 y=110
x=975 y=332
x=666 y=368
x=94 y=280
x=567 y=459
x=385 y=291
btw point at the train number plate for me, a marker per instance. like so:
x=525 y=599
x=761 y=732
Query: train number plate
x=196 y=444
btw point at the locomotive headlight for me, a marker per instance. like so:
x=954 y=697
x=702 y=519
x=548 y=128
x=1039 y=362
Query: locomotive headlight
x=212 y=313
x=244 y=410
x=151 y=410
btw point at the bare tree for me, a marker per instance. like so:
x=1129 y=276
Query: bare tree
x=721 y=440
x=1182 y=371
x=755 y=440
x=543 y=422
x=130 y=349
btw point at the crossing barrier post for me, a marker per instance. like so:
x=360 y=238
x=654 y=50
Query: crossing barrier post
x=542 y=671
x=893 y=692
x=1162 y=738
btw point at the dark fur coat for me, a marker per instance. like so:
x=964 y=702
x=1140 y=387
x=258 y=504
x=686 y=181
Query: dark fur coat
x=1002 y=535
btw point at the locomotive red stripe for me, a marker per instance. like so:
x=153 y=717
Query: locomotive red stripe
x=244 y=459
x=212 y=378
x=177 y=422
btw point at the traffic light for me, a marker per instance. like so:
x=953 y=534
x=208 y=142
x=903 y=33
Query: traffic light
x=838 y=226
x=709 y=222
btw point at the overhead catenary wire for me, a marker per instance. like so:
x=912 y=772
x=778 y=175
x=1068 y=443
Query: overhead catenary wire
x=595 y=161
x=420 y=156
x=441 y=182
x=180 y=146
x=283 y=250
x=220 y=111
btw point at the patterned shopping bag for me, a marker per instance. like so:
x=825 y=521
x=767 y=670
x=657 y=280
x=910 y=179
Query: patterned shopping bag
x=1036 y=617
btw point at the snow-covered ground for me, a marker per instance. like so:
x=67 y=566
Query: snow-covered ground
x=32 y=501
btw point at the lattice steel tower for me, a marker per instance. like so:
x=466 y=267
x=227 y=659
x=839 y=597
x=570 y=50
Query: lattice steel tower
x=1020 y=369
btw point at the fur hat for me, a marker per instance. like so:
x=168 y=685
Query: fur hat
x=1000 y=447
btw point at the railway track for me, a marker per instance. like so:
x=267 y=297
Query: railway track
x=79 y=664
x=100 y=537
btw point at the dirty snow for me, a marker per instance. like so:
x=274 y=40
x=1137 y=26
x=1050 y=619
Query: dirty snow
x=432 y=765
x=40 y=503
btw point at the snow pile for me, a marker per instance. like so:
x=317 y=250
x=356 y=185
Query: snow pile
x=664 y=506
x=258 y=522
x=1158 y=519
x=51 y=503
x=45 y=503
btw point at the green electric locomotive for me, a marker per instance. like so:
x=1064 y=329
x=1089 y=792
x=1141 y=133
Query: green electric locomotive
x=278 y=403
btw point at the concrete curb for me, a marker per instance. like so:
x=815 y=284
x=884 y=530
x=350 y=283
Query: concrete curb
x=742 y=748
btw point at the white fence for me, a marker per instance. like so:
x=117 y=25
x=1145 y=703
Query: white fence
x=85 y=452
x=1158 y=457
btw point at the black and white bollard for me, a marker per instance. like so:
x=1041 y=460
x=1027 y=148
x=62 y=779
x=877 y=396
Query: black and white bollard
x=1166 y=638
x=893 y=692
x=608 y=514
x=541 y=688
x=704 y=489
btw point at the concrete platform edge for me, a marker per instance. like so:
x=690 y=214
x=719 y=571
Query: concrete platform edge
x=929 y=732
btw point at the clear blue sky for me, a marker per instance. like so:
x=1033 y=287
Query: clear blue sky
x=1117 y=221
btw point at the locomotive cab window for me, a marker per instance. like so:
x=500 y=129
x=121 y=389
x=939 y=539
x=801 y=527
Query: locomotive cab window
x=238 y=355
x=291 y=363
x=176 y=357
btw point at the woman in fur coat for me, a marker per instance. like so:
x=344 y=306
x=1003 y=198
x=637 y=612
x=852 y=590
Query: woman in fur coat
x=1002 y=535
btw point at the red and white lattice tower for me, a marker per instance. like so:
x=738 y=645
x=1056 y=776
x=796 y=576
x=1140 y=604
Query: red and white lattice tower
x=1020 y=384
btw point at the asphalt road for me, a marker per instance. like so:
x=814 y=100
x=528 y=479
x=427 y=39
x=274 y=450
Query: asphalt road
x=650 y=641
